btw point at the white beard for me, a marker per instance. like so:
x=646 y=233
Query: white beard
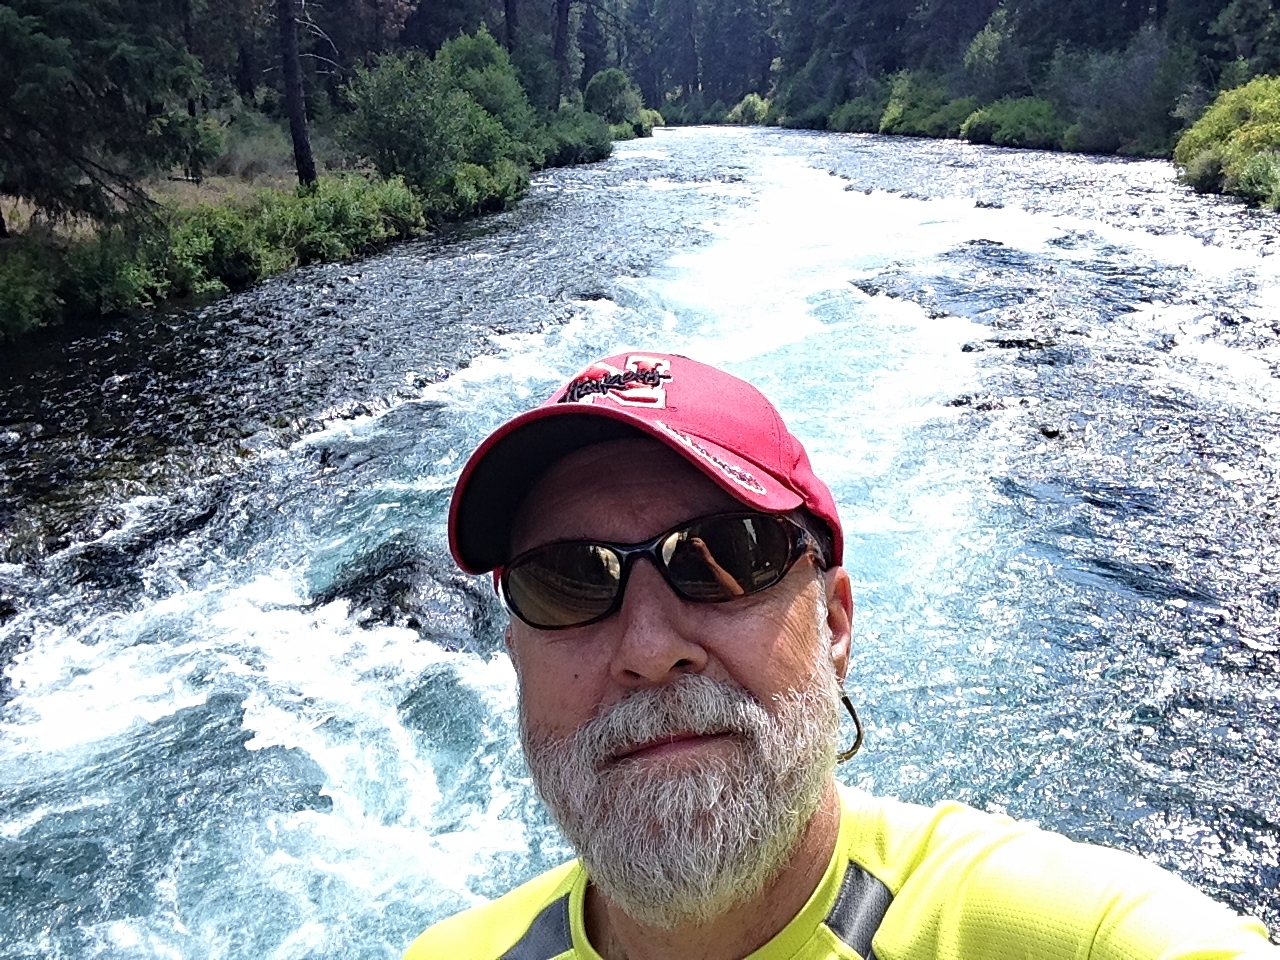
x=680 y=843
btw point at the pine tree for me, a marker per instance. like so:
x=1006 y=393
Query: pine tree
x=93 y=95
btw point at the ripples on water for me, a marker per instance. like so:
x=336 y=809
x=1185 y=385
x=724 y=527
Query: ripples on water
x=251 y=710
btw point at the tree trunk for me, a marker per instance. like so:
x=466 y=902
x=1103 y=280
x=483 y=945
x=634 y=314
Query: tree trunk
x=246 y=75
x=511 y=20
x=691 y=80
x=376 y=6
x=4 y=229
x=294 y=103
x=188 y=39
x=593 y=43
x=560 y=52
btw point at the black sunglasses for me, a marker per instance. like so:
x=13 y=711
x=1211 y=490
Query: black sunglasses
x=706 y=560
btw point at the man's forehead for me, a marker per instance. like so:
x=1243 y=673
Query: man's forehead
x=625 y=490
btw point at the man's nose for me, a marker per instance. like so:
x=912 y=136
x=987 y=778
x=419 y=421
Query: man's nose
x=653 y=643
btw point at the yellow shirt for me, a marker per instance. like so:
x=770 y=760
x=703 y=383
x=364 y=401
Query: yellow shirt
x=912 y=883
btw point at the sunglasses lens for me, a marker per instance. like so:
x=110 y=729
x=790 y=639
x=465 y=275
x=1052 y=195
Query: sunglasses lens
x=563 y=585
x=725 y=557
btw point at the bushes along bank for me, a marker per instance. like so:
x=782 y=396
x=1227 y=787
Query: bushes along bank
x=1235 y=147
x=449 y=136
x=199 y=251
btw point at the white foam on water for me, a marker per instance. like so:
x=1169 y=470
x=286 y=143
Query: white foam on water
x=313 y=684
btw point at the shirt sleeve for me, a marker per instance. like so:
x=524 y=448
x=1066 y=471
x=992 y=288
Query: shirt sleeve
x=970 y=885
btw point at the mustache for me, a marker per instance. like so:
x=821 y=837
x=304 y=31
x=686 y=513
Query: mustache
x=693 y=704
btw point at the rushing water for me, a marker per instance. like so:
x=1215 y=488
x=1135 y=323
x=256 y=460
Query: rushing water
x=250 y=710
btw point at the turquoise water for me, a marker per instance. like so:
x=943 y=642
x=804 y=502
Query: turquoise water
x=262 y=716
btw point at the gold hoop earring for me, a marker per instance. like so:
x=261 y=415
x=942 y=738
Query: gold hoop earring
x=844 y=755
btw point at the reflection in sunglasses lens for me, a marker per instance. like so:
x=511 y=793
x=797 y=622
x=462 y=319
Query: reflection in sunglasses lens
x=709 y=561
x=564 y=584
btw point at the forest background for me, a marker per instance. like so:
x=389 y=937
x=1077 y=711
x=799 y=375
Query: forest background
x=147 y=147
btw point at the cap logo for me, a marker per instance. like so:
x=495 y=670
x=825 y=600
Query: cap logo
x=641 y=384
x=738 y=475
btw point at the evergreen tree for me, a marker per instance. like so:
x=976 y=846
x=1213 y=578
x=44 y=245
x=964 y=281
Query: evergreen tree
x=678 y=39
x=735 y=49
x=93 y=95
x=1250 y=32
x=432 y=22
x=643 y=56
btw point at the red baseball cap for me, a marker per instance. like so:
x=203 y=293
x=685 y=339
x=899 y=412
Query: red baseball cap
x=722 y=425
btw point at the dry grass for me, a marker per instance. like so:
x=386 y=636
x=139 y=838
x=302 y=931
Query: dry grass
x=21 y=215
x=17 y=213
x=187 y=193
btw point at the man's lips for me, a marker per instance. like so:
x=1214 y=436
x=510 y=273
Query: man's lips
x=669 y=744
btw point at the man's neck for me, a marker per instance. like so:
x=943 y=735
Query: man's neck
x=739 y=931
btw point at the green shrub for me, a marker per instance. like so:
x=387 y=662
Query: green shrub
x=690 y=110
x=947 y=120
x=30 y=275
x=1122 y=100
x=1203 y=171
x=341 y=217
x=677 y=112
x=411 y=117
x=460 y=130
x=641 y=126
x=612 y=95
x=1232 y=148
x=751 y=110
x=576 y=136
x=481 y=67
x=115 y=271
x=861 y=114
x=648 y=120
x=811 y=117
x=475 y=188
x=1258 y=179
x=914 y=99
x=1023 y=122
x=213 y=248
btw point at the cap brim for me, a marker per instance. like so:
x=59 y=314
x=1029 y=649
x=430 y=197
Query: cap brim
x=502 y=471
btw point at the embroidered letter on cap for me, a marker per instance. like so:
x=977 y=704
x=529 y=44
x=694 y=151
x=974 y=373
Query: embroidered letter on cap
x=641 y=383
x=738 y=475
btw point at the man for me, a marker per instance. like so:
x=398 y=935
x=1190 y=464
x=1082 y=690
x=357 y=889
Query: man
x=680 y=630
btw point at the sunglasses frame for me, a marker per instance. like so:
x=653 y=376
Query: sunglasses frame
x=800 y=538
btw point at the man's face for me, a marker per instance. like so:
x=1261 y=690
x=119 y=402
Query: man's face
x=673 y=728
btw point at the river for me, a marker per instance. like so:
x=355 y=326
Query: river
x=249 y=710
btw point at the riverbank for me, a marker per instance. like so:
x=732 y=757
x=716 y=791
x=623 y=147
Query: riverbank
x=177 y=251
x=422 y=142
x=1133 y=102
x=198 y=241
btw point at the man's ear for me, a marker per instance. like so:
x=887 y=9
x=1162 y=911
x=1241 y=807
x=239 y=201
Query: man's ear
x=839 y=617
